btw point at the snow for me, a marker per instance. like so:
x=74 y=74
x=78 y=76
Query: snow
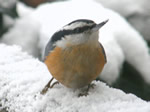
x=129 y=8
x=120 y=40
x=137 y=13
x=7 y=3
x=22 y=77
x=24 y=10
x=8 y=21
x=25 y=33
x=6 y=7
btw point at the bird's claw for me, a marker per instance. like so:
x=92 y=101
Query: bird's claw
x=85 y=93
x=49 y=86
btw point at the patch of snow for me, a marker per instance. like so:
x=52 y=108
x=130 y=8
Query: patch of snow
x=7 y=3
x=23 y=10
x=25 y=33
x=115 y=57
x=23 y=77
x=8 y=21
x=129 y=6
x=133 y=45
x=137 y=13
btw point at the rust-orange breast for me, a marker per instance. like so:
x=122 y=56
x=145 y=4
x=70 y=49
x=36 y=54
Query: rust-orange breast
x=75 y=66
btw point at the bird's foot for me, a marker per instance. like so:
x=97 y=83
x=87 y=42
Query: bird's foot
x=48 y=85
x=91 y=86
x=85 y=93
x=54 y=84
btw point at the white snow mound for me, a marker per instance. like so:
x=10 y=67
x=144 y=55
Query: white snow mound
x=23 y=77
x=24 y=33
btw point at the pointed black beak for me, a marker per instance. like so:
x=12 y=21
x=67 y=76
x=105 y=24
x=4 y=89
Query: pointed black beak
x=98 y=26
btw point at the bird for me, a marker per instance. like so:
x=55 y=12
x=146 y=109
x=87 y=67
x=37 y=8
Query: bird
x=74 y=56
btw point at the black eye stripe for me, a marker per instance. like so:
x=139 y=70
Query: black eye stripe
x=82 y=29
x=62 y=33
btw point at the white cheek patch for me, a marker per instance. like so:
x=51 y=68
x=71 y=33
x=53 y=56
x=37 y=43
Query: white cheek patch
x=61 y=43
x=76 y=39
x=71 y=40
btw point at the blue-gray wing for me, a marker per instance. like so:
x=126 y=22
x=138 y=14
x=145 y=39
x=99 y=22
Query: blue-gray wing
x=103 y=52
x=51 y=44
x=48 y=49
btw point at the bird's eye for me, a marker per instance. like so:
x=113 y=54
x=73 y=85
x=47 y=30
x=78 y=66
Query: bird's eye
x=77 y=30
x=82 y=29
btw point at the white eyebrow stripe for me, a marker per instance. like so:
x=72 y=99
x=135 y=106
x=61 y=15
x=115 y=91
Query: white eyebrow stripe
x=75 y=25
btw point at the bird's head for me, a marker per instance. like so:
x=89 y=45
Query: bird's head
x=78 y=32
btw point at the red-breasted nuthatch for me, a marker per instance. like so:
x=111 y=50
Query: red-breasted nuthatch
x=74 y=56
